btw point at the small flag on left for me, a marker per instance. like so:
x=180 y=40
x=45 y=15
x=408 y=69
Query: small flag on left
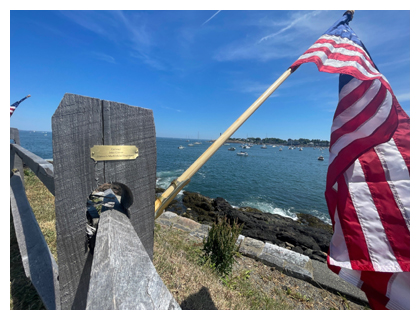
x=16 y=104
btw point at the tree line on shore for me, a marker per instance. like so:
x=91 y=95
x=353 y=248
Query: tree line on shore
x=300 y=142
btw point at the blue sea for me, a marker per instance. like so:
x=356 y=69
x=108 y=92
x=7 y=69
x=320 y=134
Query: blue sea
x=280 y=182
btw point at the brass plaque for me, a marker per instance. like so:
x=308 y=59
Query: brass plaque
x=110 y=153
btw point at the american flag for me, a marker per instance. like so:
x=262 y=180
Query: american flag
x=368 y=178
x=16 y=104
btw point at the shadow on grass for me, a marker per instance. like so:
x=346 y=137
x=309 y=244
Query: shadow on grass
x=199 y=301
x=23 y=295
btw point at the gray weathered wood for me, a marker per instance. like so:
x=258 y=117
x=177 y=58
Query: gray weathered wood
x=128 y=125
x=78 y=124
x=123 y=276
x=15 y=161
x=76 y=127
x=42 y=168
x=38 y=263
x=14 y=135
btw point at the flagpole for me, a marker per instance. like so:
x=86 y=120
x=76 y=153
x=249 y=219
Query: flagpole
x=178 y=184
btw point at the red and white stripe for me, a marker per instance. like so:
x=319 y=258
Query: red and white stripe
x=334 y=54
x=368 y=179
x=12 y=109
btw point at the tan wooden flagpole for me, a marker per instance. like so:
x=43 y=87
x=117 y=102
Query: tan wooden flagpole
x=178 y=184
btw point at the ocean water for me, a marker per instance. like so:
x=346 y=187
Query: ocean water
x=280 y=182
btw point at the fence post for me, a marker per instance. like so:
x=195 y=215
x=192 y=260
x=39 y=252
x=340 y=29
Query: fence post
x=15 y=161
x=123 y=277
x=79 y=124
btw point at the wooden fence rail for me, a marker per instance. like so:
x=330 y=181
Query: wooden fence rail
x=38 y=262
x=114 y=283
x=15 y=162
x=124 y=241
x=42 y=168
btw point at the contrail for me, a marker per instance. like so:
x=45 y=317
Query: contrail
x=289 y=26
x=211 y=18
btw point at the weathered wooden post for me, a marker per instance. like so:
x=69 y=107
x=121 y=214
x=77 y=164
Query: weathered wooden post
x=123 y=276
x=79 y=124
x=15 y=162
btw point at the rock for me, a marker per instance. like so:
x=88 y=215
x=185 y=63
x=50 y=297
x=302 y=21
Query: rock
x=292 y=263
x=298 y=250
x=312 y=221
x=251 y=247
x=309 y=233
x=201 y=232
x=239 y=240
x=200 y=208
x=176 y=206
x=249 y=209
x=159 y=190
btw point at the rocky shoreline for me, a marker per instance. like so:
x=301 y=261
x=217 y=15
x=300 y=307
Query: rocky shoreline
x=308 y=235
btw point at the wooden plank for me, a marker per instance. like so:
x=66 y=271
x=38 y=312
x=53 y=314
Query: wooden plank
x=14 y=135
x=123 y=276
x=76 y=127
x=128 y=125
x=15 y=161
x=42 y=168
x=78 y=124
x=38 y=262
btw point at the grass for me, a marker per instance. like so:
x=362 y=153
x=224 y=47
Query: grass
x=42 y=203
x=23 y=295
x=198 y=286
x=178 y=260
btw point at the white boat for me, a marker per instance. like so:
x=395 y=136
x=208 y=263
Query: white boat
x=227 y=144
x=245 y=146
x=242 y=153
x=264 y=147
x=321 y=158
x=198 y=138
x=191 y=145
x=280 y=149
x=274 y=146
x=301 y=149
x=181 y=147
x=231 y=149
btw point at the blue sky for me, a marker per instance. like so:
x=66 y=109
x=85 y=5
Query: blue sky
x=197 y=70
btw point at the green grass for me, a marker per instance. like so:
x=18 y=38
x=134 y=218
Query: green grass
x=178 y=259
x=23 y=295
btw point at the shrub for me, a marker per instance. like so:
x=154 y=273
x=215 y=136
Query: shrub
x=220 y=245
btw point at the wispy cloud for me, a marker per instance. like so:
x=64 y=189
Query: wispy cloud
x=156 y=64
x=88 y=20
x=266 y=42
x=125 y=30
x=403 y=96
x=103 y=57
x=211 y=18
x=290 y=25
x=172 y=109
x=253 y=87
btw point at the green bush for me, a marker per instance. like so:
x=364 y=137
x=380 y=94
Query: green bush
x=220 y=245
